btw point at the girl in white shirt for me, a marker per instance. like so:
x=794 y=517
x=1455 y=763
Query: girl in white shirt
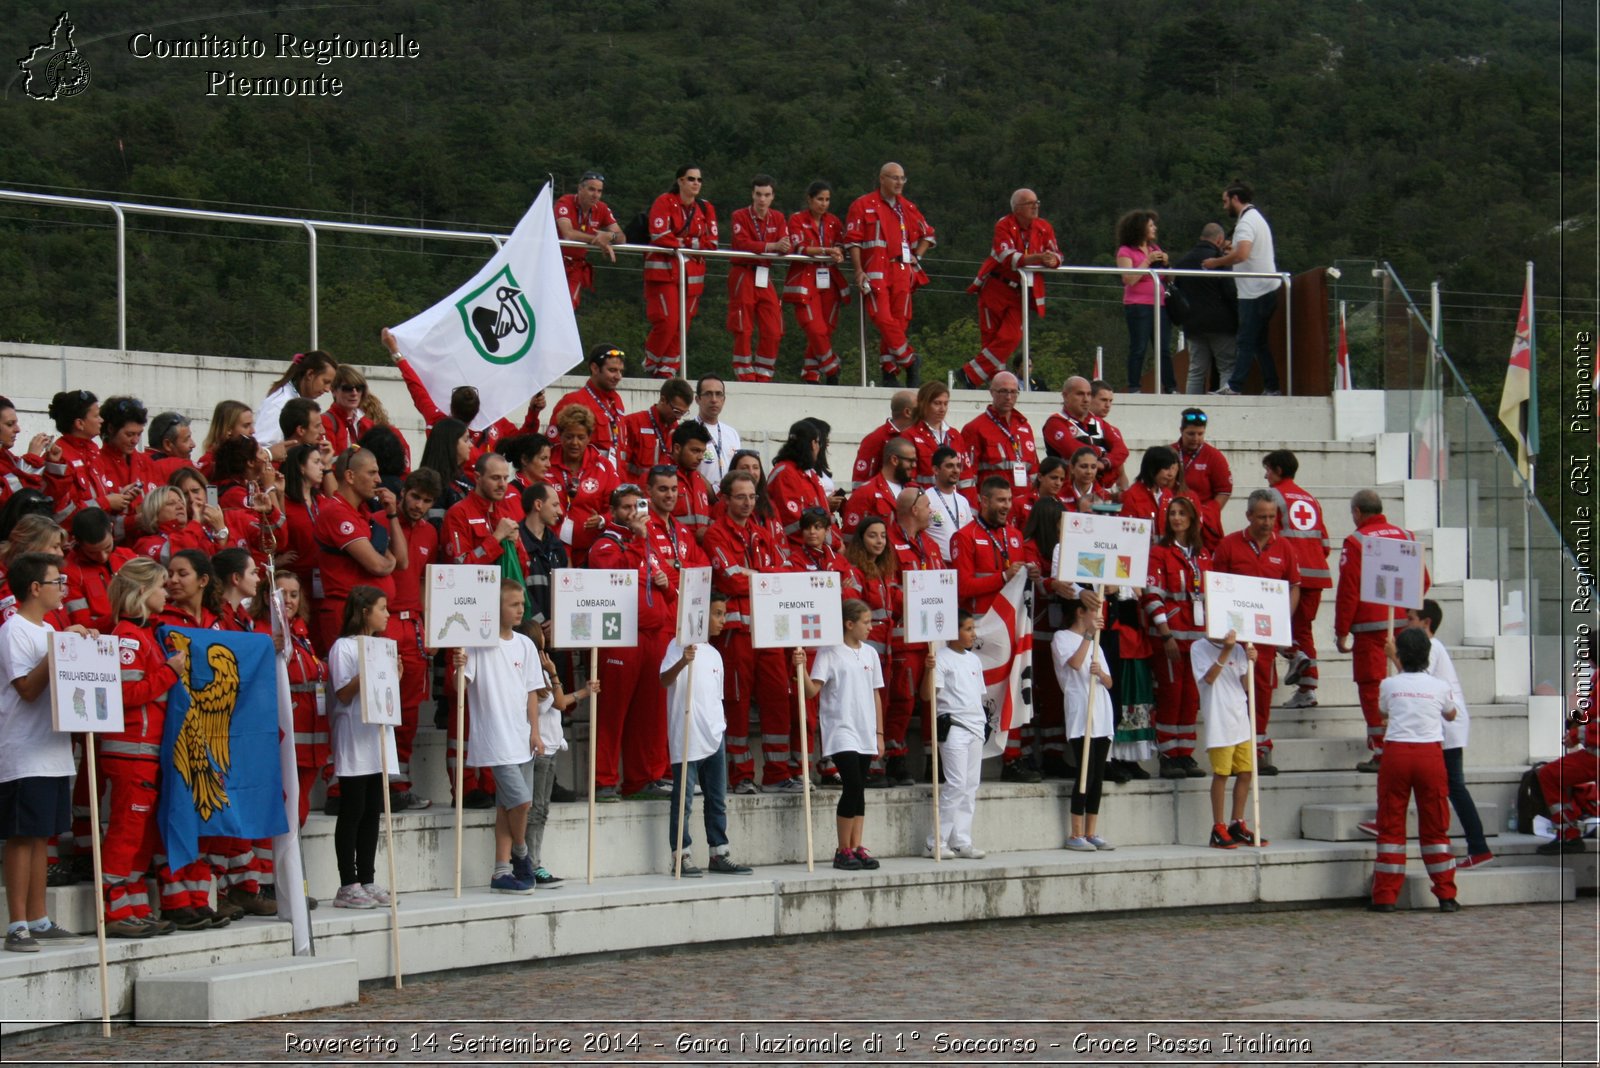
x=356 y=747
x=1070 y=650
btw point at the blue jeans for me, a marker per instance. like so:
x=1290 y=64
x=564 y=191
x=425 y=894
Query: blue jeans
x=712 y=775
x=1141 y=328
x=1461 y=801
x=1254 y=315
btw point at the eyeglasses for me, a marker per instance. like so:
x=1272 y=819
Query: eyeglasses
x=60 y=580
x=713 y=394
x=1028 y=204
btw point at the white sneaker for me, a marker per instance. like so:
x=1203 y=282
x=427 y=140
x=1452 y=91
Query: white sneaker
x=1301 y=699
x=1297 y=667
x=352 y=896
x=943 y=853
x=378 y=894
x=970 y=852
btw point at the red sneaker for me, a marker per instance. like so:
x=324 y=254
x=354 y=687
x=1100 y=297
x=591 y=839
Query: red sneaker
x=1477 y=860
x=1243 y=835
x=1368 y=828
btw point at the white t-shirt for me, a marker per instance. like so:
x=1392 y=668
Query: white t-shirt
x=1440 y=666
x=499 y=680
x=1415 y=704
x=1252 y=227
x=268 y=433
x=1223 y=704
x=549 y=716
x=846 y=711
x=1075 y=686
x=961 y=687
x=356 y=745
x=708 y=723
x=29 y=747
x=949 y=512
x=719 y=452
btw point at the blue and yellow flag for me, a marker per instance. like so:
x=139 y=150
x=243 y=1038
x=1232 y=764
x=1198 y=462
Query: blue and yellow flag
x=219 y=754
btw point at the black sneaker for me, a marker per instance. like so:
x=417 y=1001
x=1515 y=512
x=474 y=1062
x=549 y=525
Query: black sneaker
x=868 y=861
x=843 y=859
x=20 y=941
x=1055 y=767
x=1017 y=771
x=478 y=799
x=1136 y=770
x=1381 y=906
x=877 y=780
x=1264 y=764
x=1557 y=846
x=330 y=807
x=1241 y=833
x=542 y=877
x=1220 y=839
x=897 y=772
x=522 y=868
x=1116 y=773
x=722 y=864
x=1450 y=905
x=60 y=875
x=560 y=794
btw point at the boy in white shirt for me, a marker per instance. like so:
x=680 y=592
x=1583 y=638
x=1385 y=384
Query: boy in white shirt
x=1219 y=670
x=961 y=724
x=1416 y=706
x=35 y=761
x=708 y=760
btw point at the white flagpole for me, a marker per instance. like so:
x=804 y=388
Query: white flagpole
x=683 y=773
x=388 y=834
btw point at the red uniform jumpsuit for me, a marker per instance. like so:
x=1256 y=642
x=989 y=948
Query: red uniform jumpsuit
x=482 y=440
x=88 y=603
x=1003 y=447
x=644 y=440
x=18 y=473
x=887 y=235
x=874 y=497
x=791 y=492
x=130 y=762
x=816 y=291
x=78 y=479
x=869 y=455
x=124 y=469
x=1300 y=520
x=1414 y=764
x=1236 y=554
x=906 y=660
x=738 y=551
x=753 y=301
x=1369 y=623
x=999 y=289
x=1204 y=475
x=674 y=225
x=608 y=410
x=585 y=492
x=1064 y=435
x=575 y=261
x=1173 y=598
x=342 y=428
x=928 y=441
x=422 y=549
x=308 y=681
x=1559 y=780
x=693 y=510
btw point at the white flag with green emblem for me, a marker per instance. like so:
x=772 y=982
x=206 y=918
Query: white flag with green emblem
x=509 y=330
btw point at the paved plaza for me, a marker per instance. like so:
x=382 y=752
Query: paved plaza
x=1319 y=986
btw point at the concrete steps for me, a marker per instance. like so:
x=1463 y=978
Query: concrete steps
x=1337 y=822
x=1493 y=886
x=226 y=993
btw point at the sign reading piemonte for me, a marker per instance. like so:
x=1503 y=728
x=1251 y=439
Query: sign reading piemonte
x=791 y=609
x=380 y=680
x=1104 y=550
x=694 y=605
x=1391 y=572
x=595 y=609
x=1255 y=609
x=86 y=682
x=461 y=606
x=932 y=607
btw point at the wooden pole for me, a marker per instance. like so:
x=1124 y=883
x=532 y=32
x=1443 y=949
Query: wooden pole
x=1255 y=759
x=594 y=721
x=1088 y=717
x=683 y=771
x=805 y=759
x=461 y=760
x=932 y=720
x=388 y=838
x=99 y=884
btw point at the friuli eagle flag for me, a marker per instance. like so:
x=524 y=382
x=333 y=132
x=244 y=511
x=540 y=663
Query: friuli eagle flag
x=1005 y=649
x=1519 y=400
x=220 y=773
x=509 y=330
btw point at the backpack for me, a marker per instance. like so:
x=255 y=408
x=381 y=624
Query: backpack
x=1530 y=800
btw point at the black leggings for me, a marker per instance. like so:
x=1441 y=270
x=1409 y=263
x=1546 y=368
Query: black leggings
x=355 y=835
x=853 y=772
x=1088 y=803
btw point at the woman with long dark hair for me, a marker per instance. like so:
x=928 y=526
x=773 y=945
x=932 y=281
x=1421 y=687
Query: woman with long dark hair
x=679 y=219
x=1142 y=298
x=309 y=375
x=794 y=485
x=447 y=453
x=1173 y=605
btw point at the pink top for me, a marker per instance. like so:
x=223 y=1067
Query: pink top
x=1142 y=291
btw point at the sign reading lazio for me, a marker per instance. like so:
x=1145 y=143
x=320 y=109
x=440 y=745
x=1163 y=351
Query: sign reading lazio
x=461 y=606
x=1255 y=609
x=790 y=609
x=932 y=608
x=694 y=605
x=86 y=682
x=1104 y=550
x=380 y=680
x=595 y=609
x=1391 y=572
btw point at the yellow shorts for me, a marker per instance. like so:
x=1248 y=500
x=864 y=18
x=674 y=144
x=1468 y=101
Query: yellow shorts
x=1233 y=759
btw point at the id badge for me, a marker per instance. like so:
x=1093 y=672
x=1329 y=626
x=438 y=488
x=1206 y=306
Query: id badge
x=316 y=582
x=905 y=254
x=763 y=276
x=1200 y=614
x=824 y=278
x=322 y=701
x=1019 y=475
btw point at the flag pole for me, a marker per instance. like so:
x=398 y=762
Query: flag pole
x=1530 y=437
x=1255 y=752
x=99 y=883
x=594 y=719
x=461 y=760
x=1088 y=718
x=388 y=834
x=805 y=759
x=683 y=774
x=932 y=719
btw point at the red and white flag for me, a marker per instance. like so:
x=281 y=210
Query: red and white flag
x=1519 y=411
x=1342 y=378
x=1005 y=648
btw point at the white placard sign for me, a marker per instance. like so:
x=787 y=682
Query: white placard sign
x=1104 y=550
x=1255 y=609
x=694 y=605
x=380 y=680
x=932 y=607
x=1391 y=572
x=461 y=606
x=86 y=682
x=799 y=608
x=595 y=609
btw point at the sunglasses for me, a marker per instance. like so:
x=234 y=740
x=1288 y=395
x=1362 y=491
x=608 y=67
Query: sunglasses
x=350 y=387
x=1195 y=419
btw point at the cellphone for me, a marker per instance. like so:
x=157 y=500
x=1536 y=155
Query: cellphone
x=211 y=496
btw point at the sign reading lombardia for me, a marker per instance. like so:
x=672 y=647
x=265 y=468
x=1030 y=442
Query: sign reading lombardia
x=595 y=609
x=86 y=682
x=461 y=606
x=932 y=606
x=1255 y=609
x=1104 y=550
x=694 y=605
x=380 y=680
x=1391 y=572
x=795 y=609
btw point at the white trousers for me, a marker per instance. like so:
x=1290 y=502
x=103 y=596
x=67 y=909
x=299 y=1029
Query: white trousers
x=961 y=760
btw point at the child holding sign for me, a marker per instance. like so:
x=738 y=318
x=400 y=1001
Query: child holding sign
x=958 y=674
x=1219 y=670
x=356 y=746
x=552 y=703
x=1070 y=650
x=849 y=679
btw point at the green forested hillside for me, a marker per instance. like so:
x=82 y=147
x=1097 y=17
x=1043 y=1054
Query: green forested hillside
x=1435 y=133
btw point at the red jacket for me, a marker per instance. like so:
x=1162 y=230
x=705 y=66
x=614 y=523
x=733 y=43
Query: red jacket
x=1064 y=435
x=580 y=272
x=146 y=681
x=879 y=593
x=468 y=533
x=1174 y=588
x=78 y=480
x=1011 y=243
x=675 y=225
x=422 y=549
x=482 y=440
x=585 y=492
x=673 y=548
x=911 y=554
x=980 y=554
x=873 y=497
x=88 y=581
x=869 y=456
x=1001 y=448
x=885 y=233
x=1236 y=554
x=805 y=232
x=608 y=410
x=642 y=441
x=129 y=469
x=307 y=675
x=1300 y=520
x=1204 y=474
x=175 y=537
x=1351 y=614
x=19 y=473
x=791 y=492
x=928 y=441
x=342 y=431
x=737 y=552
x=693 y=509
x=618 y=550
x=751 y=234
x=1141 y=502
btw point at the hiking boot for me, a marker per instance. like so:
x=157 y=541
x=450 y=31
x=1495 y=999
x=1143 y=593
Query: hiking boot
x=1264 y=764
x=1381 y=906
x=256 y=904
x=214 y=919
x=1017 y=771
x=1116 y=773
x=186 y=919
x=1449 y=904
x=1370 y=767
x=1136 y=770
x=227 y=909
x=1190 y=768
x=1172 y=769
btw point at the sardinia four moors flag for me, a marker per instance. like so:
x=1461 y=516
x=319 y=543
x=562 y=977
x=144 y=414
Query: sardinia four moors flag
x=509 y=330
x=1519 y=399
